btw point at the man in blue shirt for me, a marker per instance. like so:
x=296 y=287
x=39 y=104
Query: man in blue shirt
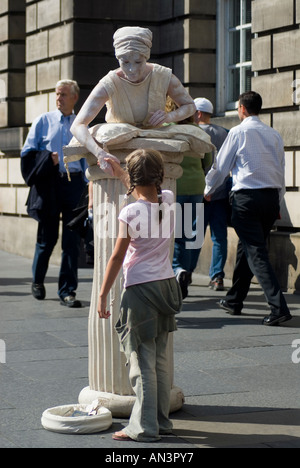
x=54 y=196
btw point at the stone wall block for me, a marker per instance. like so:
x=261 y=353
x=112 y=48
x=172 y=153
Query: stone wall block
x=67 y=68
x=123 y=11
x=200 y=7
x=12 y=56
x=14 y=172
x=37 y=47
x=11 y=140
x=290 y=212
x=48 y=13
x=200 y=34
x=21 y=198
x=48 y=74
x=68 y=10
x=264 y=17
x=12 y=241
x=8 y=198
x=289 y=168
x=286 y=51
x=11 y=5
x=31 y=18
x=11 y=113
x=4 y=114
x=52 y=102
x=296 y=88
x=172 y=37
x=12 y=27
x=297 y=11
x=91 y=69
x=31 y=79
x=4 y=28
x=16 y=27
x=287 y=124
x=261 y=53
x=93 y=37
x=297 y=168
x=276 y=89
x=16 y=56
x=3 y=171
x=4 y=57
x=61 y=40
x=13 y=83
x=195 y=68
x=200 y=68
x=35 y=106
x=203 y=91
x=16 y=113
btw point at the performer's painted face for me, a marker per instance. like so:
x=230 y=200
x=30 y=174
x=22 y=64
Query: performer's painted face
x=133 y=66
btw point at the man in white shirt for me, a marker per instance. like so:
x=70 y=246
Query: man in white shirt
x=254 y=153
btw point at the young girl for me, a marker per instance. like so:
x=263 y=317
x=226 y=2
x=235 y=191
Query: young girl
x=151 y=295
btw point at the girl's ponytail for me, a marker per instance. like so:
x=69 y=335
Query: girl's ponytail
x=159 y=196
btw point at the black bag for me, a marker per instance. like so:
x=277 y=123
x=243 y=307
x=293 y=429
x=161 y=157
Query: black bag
x=80 y=222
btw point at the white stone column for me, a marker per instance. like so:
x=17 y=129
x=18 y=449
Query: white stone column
x=108 y=373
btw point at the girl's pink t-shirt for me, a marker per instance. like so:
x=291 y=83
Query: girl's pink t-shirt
x=148 y=255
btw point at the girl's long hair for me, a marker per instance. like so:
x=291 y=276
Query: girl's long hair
x=146 y=167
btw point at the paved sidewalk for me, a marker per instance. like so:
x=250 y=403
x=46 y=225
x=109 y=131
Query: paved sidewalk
x=241 y=387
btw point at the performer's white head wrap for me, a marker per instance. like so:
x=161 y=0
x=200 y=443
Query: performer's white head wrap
x=133 y=38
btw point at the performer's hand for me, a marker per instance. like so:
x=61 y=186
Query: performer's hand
x=207 y=197
x=157 y=118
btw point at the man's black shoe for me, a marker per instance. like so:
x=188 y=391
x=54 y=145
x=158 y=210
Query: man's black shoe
x=230 y=310
x=70 y=301
x=275 y=319
x=38 y=291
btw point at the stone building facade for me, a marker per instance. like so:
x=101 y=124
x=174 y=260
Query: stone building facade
x=216 y=48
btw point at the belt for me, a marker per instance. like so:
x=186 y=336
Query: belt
x=73 y=174
x=266 y=189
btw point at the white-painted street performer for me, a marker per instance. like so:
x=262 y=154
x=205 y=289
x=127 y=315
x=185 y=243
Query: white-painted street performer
x=135 y=94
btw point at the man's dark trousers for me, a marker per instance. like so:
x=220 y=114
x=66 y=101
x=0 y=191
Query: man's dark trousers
x=69 y=194
x=254 y=212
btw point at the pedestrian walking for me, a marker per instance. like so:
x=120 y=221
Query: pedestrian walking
x=215 y=211
x=254 y=153
x=52 y=195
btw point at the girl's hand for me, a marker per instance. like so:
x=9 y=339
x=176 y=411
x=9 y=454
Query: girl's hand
x=116 y=167
x=101 y=308
x=119 y=172
x=105 y=163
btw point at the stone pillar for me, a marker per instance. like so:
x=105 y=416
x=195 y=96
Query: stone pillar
x=108 y=373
